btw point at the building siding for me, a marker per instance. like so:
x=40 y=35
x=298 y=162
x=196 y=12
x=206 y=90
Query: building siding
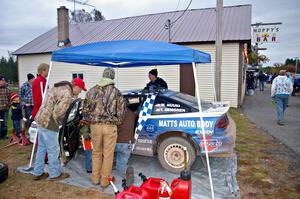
x=230 y=68
x=137 y=77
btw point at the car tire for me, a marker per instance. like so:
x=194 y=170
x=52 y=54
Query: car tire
x=171 y=154
x=3 y=172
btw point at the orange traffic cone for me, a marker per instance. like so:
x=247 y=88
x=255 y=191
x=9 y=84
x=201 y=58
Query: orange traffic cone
x=14 y=137
x=24 y=141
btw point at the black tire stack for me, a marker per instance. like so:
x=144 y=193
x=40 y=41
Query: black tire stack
x=3 y=172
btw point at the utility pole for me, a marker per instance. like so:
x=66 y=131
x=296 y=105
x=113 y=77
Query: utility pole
x=218 y=62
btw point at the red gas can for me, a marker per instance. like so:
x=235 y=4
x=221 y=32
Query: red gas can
x=181 y=189
x=133 y=192
x=153 y=186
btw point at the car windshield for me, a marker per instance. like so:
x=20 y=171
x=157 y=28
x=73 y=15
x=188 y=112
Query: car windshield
x=190 y=100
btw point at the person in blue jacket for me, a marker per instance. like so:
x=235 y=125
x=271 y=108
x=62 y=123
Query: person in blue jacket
x=16 y=113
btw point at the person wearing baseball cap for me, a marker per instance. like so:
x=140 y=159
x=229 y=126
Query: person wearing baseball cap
x=79 y=82
x=49 y=118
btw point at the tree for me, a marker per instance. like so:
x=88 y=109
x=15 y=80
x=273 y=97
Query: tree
x=9 y=68
x=255 y=58
x=97 y=15
x=82 y=16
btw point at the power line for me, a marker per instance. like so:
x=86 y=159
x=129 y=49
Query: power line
x=169 y=24
x=182 y=13
x=177 y=4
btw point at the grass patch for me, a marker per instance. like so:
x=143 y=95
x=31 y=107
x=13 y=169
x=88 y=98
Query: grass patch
x=263 y=163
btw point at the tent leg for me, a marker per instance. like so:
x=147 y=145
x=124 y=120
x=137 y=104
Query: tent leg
x=202 y=129
x=47 y=83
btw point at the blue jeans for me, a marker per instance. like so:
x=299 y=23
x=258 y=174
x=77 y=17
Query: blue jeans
x=88 y=160
x=281 y=102
x=3 y=124
x=17 y=127
x=261 y=85
x=123 y=154
x=47 y=142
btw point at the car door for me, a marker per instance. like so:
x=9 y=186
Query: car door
x=69 y=138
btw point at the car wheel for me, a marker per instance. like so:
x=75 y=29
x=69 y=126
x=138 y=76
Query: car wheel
x=3 y=172
x=171 y=154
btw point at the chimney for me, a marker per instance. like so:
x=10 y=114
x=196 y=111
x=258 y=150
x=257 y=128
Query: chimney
x=63 y=27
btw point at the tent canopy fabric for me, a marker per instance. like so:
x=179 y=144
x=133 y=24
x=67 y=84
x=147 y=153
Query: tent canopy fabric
x=130 y=53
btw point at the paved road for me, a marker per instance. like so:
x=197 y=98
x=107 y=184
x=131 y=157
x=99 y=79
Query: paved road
x=258 y=109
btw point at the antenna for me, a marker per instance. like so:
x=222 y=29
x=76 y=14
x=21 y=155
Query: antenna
x=83 y=2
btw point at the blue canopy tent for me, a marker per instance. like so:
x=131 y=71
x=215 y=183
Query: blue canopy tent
x=130 y=53
x=134 y=53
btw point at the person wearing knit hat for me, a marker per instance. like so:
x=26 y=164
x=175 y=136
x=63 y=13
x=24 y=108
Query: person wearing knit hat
x=26 y=98
x=30 y=76
x=156 y=83
x=104 y=109
x=16 y=113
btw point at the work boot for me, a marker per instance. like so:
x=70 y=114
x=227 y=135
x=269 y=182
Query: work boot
x=41 y=177
x=60 y=177
x=129 y=176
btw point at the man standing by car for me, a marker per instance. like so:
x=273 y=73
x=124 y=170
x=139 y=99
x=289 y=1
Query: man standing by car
x=123 y=147
x=49 y=118
x=26 y=97
x=4 y=106
x=104 y=107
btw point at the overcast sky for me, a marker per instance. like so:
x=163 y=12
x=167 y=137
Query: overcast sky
x=23 y=20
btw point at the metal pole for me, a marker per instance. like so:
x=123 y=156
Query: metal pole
x=202 y=129
x=169 y=27
x=219 y=27
x=296 y=66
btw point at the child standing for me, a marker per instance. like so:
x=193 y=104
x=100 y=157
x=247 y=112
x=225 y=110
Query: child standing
x=16 y=113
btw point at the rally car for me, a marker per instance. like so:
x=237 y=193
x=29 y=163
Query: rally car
x=166 y=122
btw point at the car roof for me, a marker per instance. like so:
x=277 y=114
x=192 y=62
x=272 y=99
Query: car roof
x=140 y=92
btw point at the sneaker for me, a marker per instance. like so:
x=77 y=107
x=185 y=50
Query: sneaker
x=280 y=123
x=129 y=175
x=41 y=177
x=60 y=177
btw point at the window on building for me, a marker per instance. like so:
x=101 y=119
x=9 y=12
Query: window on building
x=78 y=75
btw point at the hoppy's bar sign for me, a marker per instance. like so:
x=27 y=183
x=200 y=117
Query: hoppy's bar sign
x=266 y=33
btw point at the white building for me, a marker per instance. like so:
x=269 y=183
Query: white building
x=195 y=29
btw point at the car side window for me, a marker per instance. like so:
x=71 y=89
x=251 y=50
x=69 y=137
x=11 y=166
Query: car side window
x=164 y=106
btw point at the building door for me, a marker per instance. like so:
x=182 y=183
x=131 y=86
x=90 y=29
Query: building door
x=187 y=83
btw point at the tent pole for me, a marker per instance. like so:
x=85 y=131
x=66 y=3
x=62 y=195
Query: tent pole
x=202 y=129
x=47 y=83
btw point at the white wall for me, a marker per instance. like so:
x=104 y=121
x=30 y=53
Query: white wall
x=229 y=70
x=137 y=77
x=126 y=78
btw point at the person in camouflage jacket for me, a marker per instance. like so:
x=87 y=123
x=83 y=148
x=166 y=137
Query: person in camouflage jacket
x=49 y=118
x=104 y=108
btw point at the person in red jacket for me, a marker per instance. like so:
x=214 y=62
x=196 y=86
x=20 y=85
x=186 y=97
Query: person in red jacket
x=38 y=88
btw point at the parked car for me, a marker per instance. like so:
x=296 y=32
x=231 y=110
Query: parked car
x=296 y=86
x=166 y=122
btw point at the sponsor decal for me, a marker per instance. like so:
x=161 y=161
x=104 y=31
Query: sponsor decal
x=184 y=123
x=145 y=141
x=211 y=144
x=150 y=128
x=140 y=148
